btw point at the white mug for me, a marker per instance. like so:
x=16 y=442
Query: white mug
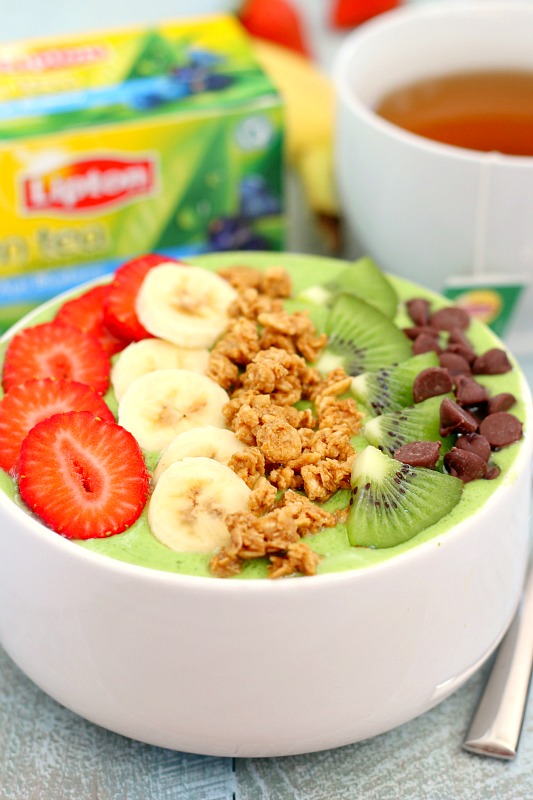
x=425 y=210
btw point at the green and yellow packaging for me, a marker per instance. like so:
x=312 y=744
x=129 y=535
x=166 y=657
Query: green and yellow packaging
x=113 y=144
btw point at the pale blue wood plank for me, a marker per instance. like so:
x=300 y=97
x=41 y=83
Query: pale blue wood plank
x=421 y=760
x=49 y=753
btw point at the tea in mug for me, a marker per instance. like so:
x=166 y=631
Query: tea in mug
x=490 y=110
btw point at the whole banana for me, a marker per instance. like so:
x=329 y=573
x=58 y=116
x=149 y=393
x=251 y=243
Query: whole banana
x=309 y=109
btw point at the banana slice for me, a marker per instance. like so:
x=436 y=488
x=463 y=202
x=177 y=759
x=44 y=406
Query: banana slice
x=189 y=504
x=160 y=404
x=148 y=355
x=209 y=442
x=185 y=305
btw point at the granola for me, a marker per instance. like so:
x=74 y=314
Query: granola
x=275 y=535
x=296 y=457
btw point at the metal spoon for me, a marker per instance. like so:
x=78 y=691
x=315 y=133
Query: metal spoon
x=497 y=723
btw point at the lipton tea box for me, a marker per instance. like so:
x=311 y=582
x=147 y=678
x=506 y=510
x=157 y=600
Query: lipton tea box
x=115 y=144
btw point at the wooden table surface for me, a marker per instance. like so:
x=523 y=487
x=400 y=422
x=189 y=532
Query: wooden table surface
x=49 y=753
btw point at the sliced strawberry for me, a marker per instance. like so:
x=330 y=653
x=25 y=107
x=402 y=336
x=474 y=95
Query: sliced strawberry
x=28 y=403
x=84 y=477
x=119 y=306
x=86 y=312
x=56 y=351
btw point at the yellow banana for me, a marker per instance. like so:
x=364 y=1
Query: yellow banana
x=309 y=108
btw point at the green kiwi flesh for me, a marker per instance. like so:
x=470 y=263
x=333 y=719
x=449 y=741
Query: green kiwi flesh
x=392 y=502
x=417 y=423
x=361 y=338
x=364 y=279
x=391 y=388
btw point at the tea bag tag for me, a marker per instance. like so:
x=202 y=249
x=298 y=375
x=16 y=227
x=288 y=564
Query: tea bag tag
x=491 y=298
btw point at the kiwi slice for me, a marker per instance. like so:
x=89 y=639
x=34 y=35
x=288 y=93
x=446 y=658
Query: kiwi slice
x=363 y=279
x=361 y=338
x=392 y=502
x=391 y=388
x=419 y=423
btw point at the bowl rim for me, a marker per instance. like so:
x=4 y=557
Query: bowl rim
x=153 y=575
x=396 y=18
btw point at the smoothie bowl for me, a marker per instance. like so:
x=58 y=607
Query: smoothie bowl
x=258 y=504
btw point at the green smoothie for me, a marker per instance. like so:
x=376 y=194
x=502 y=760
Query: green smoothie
x=138 y=546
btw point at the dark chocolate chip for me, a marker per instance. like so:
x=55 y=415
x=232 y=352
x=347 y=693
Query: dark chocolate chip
x=418 y=309
x=465 y=465
x=415 y=330
x=454 y=419
x=474 y=443
x=458 y=336
x=501 y=402
x=492 y=473
x=469 y=392
x=446 y=319
x=454 y=363
x=425 y=343
x=493 y=362
x=430 y=383
x=461 y=350
x=419 y=454
x=501 y=429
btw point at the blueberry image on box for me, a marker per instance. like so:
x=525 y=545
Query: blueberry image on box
x=234 y=233
x=193 y=75
x=203 y=58
x=256 y=200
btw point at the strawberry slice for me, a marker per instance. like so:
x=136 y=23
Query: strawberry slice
x=50 y=350
x=84 y=477
x=86 y=312
x=29 y=403
x=119 y=306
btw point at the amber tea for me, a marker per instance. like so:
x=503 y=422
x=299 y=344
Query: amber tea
x=487 y=111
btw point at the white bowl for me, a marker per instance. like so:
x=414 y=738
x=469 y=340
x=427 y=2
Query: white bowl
x=258 y=667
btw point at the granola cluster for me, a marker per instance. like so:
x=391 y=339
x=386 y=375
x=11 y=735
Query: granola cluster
x=276 y=534
x=262 y=361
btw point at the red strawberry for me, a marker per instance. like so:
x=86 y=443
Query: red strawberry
x=276 y=20
x=348 y=13
x=84 y=477
x=86 y=312
x=119 y=306
x=56 y=351
x=29 y=403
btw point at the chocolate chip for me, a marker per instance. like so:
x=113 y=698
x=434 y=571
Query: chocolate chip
x=501 y=429
x=425 y=343
x=418 y=309
x=501 y=402
x=492 y=473
x=415 y=330
x=465 y=465
x=469 y=392
x=454 y=363
x=461 y=350
x=474 y=443
x=493 y=362
x=446 y=319
x=430 y=383
x=458 y=336
x=419 y=454
x=454 y=419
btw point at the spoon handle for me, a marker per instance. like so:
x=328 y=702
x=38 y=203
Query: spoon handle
x=497 y=723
